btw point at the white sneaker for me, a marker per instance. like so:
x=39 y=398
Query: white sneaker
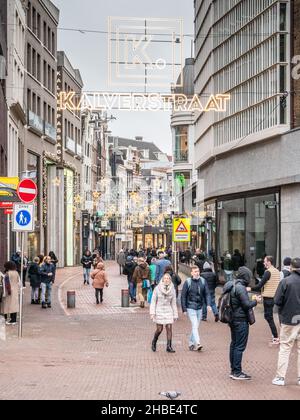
x=279 y=382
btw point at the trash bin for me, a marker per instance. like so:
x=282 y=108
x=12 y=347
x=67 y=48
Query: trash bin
x=71 y=299
x=125 y=298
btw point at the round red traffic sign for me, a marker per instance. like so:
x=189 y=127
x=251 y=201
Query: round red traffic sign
x=27 y=190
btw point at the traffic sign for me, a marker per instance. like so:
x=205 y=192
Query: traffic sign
x=6 y=205
x=8 y=211
x=23 y=218
x=182 y=230
x=27 y=191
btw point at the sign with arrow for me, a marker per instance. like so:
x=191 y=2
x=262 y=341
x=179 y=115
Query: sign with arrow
x=181 y=230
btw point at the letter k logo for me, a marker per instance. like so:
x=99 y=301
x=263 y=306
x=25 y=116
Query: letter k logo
x=136 y=51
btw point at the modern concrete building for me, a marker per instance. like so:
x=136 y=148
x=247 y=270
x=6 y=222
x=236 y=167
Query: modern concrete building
x=249 y=155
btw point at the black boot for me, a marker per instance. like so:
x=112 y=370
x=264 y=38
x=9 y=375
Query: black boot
x=169 y=347
x=154 y=342
x=32 y=302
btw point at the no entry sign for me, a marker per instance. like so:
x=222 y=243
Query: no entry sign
x=27 y=191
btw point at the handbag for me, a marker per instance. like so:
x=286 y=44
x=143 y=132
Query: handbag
x=146 y=284
x=150 y=294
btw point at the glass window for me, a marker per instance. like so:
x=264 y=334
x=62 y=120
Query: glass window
x=283 y=8
x=181 y=144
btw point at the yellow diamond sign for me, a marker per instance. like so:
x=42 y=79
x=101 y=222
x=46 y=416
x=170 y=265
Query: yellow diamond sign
x=182 y=230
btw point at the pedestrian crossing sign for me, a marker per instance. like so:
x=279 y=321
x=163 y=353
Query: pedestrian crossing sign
x=182 y=230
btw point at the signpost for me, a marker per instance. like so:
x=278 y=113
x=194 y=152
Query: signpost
x=181 y=230
x=23 y=221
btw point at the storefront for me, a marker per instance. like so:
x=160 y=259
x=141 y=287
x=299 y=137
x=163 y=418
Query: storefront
x=249 y=223
x=150 y=237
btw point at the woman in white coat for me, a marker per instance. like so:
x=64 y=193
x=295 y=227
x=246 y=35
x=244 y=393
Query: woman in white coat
x=163 y=310
x=12 y=285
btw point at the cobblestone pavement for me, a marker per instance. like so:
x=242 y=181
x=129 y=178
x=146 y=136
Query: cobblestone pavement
x=103 y=352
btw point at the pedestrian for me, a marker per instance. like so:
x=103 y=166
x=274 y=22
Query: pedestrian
x=161 y=265
x=176 y=280
x=96 y=258
x=54 y=261
x=268 y=285
x=237 y=260
x=212 y=280
x=286 y=269
x=129 y=268
x=25 y=268
x=228 y=268
x=100 y=281
x=188 y=256
x=16 y=258
x=194 y=294
x=199 y=259
x=121 y=260
x=35 y=280
x=47 y=271
x=87 y=262
x=163 y=310
x=141 y=277
x=11 y=291
x=152 y=268
x=239 y=325
x=287 y=298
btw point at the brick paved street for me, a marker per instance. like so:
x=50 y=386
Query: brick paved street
x=104 y=353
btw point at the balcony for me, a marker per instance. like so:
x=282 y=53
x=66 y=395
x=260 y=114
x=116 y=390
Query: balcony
x=35 y=122
x=50 y=131
x=181 y=156
x=71 y=145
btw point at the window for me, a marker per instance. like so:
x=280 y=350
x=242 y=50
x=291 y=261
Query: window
x=29 y=15
x=45 y=74
x=53 y=44
x=49 y=40
x=282 y=48
x=33 y=62
x=45 y=34
x=283 y=14
x=181 y=144
x=34 y=26
x=39 y=67
x=38 y=26
x=29 y=66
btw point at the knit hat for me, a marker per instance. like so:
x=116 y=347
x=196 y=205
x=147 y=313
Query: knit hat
x=206 y=266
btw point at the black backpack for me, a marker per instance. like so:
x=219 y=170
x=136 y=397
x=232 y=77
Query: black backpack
x=225 y=307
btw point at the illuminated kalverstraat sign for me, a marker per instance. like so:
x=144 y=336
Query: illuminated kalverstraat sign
x=103 y=101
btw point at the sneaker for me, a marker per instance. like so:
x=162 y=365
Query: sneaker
x=278 y=381
x=204 y=320
x=199 y=347
x=10 y=323
x=44 y=306
x=275 y=342
x=49 y=305
x=231 y=374
x=241 y=377
x=191 y=347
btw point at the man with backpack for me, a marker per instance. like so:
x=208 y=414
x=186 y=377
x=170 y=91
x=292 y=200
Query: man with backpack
x=237 y=313
x=194 y=295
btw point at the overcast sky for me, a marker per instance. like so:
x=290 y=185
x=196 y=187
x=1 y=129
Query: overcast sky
x=89 y=53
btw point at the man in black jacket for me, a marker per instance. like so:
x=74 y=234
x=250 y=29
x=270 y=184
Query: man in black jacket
x=211 y=279
x=287 y=298
x=194 y=294
x=128 y=271
x=240 y=304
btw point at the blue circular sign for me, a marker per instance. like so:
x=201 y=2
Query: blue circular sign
x=23 y=218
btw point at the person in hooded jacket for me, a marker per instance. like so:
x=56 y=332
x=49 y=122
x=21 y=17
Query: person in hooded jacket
x=287 y=298
x=241 y=305
x=211 y=280
x=35 y=280
x=141 y=273
x=128 y=271
x=100 y=281
x=163 y=310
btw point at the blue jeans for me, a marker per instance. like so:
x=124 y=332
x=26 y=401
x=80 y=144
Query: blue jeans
x=239 y=340
x=195 y=317
x=132 y=290
x=213 y=305
x=86 y=275
x=46 y=287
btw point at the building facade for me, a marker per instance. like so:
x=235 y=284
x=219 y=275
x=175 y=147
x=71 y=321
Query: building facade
x=247 y=156
x=3 y=125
